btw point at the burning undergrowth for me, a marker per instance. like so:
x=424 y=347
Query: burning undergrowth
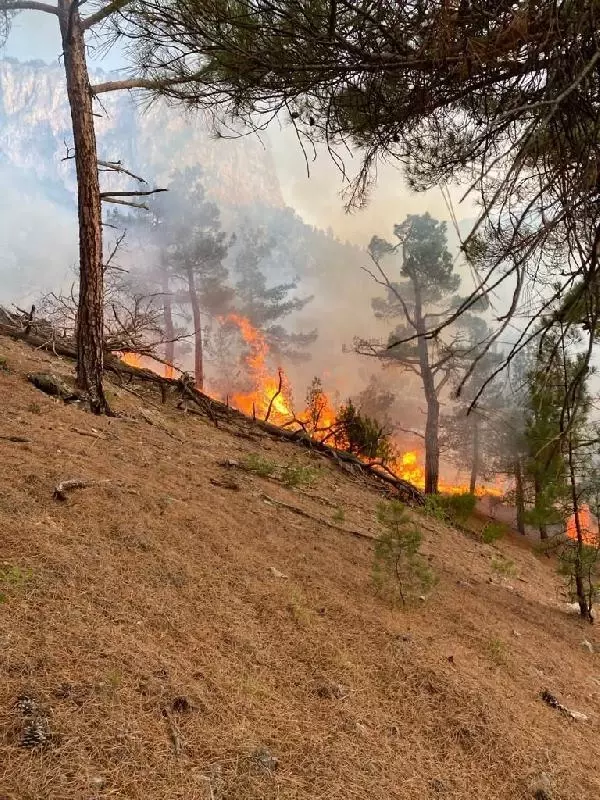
x=263 y=390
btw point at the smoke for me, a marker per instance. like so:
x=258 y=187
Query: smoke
x=39 y=239
x=315 y=187
x=318 y=243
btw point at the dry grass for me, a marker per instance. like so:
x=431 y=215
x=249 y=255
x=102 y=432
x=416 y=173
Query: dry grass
x=157 y=586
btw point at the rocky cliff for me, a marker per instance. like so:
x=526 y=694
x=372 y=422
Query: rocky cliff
x=152 y=140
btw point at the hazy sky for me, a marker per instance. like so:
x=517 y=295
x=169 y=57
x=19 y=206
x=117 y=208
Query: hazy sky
x=318 y=198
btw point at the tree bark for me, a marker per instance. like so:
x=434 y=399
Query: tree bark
x=432 y=425
x=90 y=311
x=475 y=455
x=539 y=507
x=169 y=329
x=198 y=346
x=519 y=497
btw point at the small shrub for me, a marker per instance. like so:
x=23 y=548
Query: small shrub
x=497 y=650
x=262 y=467
x=504 y=566
x=298 y=475
x=586 y=561
x=492 y=532
x=434 y=507
x=13 y=578
x=452 y=508
x=34 y=408
x=339 y=515
x=362 y=435
x=317 y=414
x=3 y=364
x=399 y=569
x=459 y=507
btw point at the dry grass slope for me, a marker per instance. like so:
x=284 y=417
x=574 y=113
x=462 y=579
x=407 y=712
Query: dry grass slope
x=159 y=585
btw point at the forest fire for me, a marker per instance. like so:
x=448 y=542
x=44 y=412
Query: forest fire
x=147 y=362
x=588 y=525
x=269 y=397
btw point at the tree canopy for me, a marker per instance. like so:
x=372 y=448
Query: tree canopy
x=501 y=97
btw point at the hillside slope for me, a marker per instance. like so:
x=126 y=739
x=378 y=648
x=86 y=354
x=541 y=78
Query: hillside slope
x=178 y=636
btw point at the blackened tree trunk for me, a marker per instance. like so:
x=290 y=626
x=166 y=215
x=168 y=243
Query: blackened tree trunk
x=475 y=454
x=90 y=312
x=539 y=508
x=584 y=598
x=519 y=497
x=198 y=346
x=432 y=425
x=169 y=328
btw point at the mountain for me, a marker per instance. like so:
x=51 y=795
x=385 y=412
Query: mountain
x=151 y=140
x=37 y=221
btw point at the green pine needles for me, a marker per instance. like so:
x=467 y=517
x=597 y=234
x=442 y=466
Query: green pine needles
x=400 y=572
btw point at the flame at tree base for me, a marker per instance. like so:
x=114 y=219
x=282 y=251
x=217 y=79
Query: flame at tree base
x=270 y=397
x=588 y=526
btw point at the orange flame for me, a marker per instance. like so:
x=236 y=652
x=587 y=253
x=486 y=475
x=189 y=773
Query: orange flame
x=588 y=525
x=270 y=393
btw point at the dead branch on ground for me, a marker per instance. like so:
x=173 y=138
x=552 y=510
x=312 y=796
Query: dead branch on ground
x=319 y=520
x=62 y=489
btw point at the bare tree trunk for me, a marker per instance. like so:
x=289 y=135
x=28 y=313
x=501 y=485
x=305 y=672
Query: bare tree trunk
x=519 y=497
x=198 y=347
x=90 y=312
x=432 y=445
x=539 y=507
x=475 y=454
x=432 y=425
x=169 y=328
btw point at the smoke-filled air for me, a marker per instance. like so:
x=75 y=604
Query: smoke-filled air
x=299 y=442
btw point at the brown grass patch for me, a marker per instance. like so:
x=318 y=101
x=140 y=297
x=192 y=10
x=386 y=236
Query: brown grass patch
x=172 y=662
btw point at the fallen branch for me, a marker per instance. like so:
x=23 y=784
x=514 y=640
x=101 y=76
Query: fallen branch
x=215 y=409
x=302 y=513
x=232 y=485
x=61 y=490
x=551 y=700
x=15 y=439
x=91 y=434
x=174 y=734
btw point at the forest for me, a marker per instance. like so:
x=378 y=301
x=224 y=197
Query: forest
x=480 y=362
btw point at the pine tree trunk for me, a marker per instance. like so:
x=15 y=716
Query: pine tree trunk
x=432 y=445
x=539 y=507
x=198 y=346
x=583 y=598
x=519 y=497
x=90 y=311
x=474 y=455
x=169 y=329
x=432 y=425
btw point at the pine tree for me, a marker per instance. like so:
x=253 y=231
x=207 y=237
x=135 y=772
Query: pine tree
x=545 y=465
x=426 y=290
x=193 y=250
x=263 y=305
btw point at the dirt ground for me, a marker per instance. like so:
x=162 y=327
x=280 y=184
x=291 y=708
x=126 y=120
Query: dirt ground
x=180 y=638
